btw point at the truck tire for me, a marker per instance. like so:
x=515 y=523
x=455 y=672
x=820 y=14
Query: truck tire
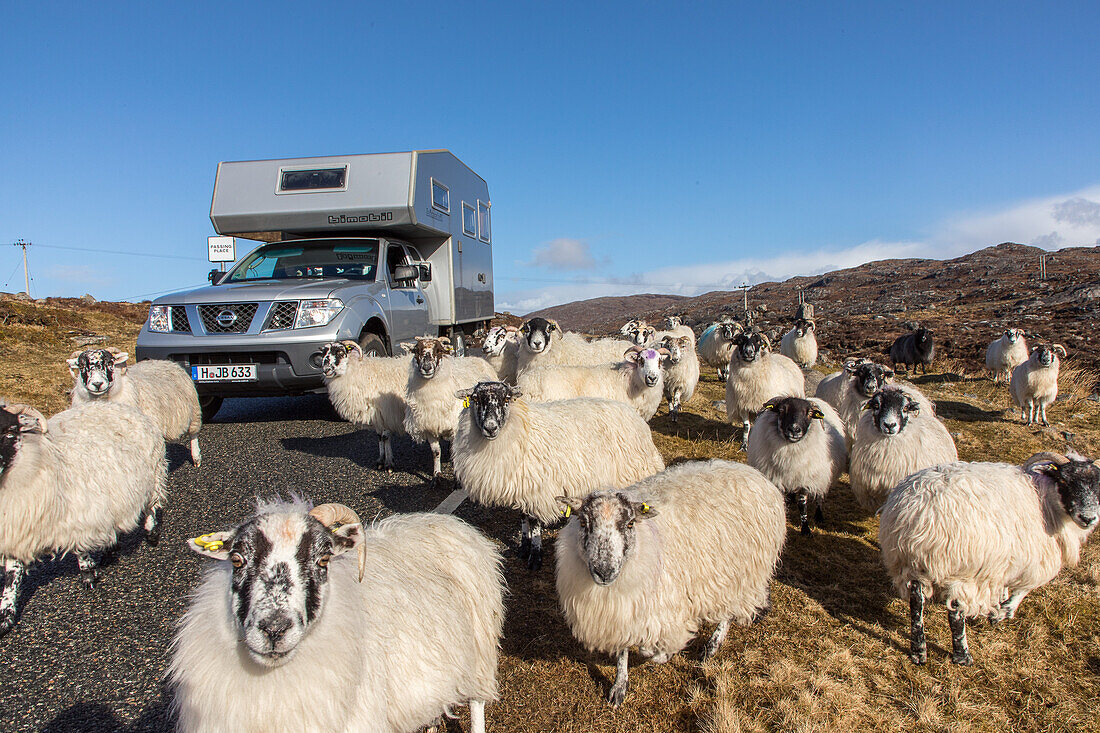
x=209 y=404
x=372 y=345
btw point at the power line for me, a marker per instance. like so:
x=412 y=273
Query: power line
x=120 y=252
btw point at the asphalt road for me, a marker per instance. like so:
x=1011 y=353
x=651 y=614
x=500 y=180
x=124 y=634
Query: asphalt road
x=94 y=660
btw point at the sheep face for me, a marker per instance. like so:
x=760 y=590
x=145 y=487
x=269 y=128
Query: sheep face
x=96 y=369
x=280 y=577
x=495 y=341
x=489 y=402
x=750 y=346
x=676 y=346
x=1013 y=335
x=891 y=410
x=648 y=363
x=672 y=322
x=804 y=327
x=334 y=357
x=793 y=416
x=427 y=354
x=1045 y=354
x=728 y=330
x=922 y=337
x=868 y=377
x=536 y=334
x=607 y=531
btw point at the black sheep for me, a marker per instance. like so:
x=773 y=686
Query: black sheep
x=913 y=349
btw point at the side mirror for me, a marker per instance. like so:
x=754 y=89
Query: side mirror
x=425 y=272
x=215 y=276
x=403 y=273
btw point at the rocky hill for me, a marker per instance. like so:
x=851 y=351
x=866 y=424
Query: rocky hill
x=966 y=301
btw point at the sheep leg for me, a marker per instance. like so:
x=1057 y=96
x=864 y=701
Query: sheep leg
x=819 y=516
x=803 y=514
x=534 y=557
x=618 y=690
x=765 y=609
x=477 y=716
x=524 y=539
x=1043 y=413
x=153 y=519
x=437 y=465
x=918 y=645
x=746 y=426
x=196 y=454
x=88 y=574
x=716 y=640
x=960 y=652
x=381 y=464
x=14 y=572
x=674 y=406
x=1008 y=608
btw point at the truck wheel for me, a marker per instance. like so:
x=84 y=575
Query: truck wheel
x=372 y=345
x=209 y=404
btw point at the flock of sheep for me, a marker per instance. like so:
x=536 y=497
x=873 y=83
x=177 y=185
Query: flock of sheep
x=312 y=620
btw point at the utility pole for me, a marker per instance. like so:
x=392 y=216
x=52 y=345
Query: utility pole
x=1043 y=266
x=26 y=272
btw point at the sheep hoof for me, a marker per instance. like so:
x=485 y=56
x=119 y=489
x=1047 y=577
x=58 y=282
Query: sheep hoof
x=153 y=536
x=381 y=465
x=90 y=578
x=709 y=650
x=964 y=659
x=7 y=620
x=805 y=529
x=534 y=559
x=918 y=658
x=524 y=550
x=618 y=694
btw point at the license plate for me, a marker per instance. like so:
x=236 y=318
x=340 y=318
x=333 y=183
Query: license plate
x=226 y=373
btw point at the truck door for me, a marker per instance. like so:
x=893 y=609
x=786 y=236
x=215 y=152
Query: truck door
x=408 y=306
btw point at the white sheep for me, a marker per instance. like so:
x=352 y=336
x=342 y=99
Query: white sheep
x=432 y=410
x=675 y=326
x=637 y=380
x=542 y=343
x=799 y=445
x=648 y=565
x=681 y=372
x=288 y=632
x=800 y=344
x=73 y=485
x=897 y=435
x=755 y=376
x=640 y=333
x=1006 y=353
x=514 y=453
x=501 y=350
x=851 y=389
x=368 y=390
x=159 y=388
x=1035 y=382
x=832 y=386
x=716 y=345
x=981 y=536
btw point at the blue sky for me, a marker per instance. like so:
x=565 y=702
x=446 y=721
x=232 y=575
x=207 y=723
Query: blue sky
x=628 y=147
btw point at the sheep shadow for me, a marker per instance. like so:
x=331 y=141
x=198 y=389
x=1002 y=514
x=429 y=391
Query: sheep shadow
x=178 y=454
x=358 y=446
x=940 y=378
x=694 y=428
x=967 y=412
x=99 y=718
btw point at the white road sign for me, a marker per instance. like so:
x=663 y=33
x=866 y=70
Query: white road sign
x=222 y=249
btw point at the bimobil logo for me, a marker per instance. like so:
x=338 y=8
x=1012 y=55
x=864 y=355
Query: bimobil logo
x=364 y=219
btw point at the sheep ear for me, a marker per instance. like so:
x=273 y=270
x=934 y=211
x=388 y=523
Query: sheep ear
x=850 y=366
x=30 y=419
x=866 y=405
x=770 y=405
x=347 y=537
x=643 y=510
x=913 y=407
x=514 y=392
x=408 y=347
x=570 y=504
x=73 y=369
x=817 y=414
x=462 y=393
x=214 y=544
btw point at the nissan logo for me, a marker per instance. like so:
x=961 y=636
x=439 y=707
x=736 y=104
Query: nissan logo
x=226 y=318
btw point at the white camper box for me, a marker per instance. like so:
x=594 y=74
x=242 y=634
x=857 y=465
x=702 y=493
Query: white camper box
x=428 y=198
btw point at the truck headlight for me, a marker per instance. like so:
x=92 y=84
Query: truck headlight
x=159 y=319
x=317 y=312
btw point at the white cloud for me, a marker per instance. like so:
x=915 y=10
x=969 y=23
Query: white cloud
x=564 y=254
x=1049 y=222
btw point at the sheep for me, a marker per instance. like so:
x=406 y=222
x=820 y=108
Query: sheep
x=681 y=372
x=435 y=374
x=852 y=388
x=514 y=453
x=646 y=566
x=292 y=631
x=981 y=536
x=1035 y=382
x=1006 y=353
x=897 y=435
x=72 y=484
x=159 y=388
x=755 y=376
x=542 y=343
x=501 y=350
x=675 y=326
x=832 y=386
x=799 y=445
x=913 y=349
x=368 y=390
x=800 y=344
x=637 y=380
x=641 y=333
x=716 y=345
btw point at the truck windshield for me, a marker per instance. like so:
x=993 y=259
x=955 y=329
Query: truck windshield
x=355 y=259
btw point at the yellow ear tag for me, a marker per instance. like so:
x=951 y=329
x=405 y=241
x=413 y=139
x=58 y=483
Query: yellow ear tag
x=208 y=544
x=567 y=511
x=645 y=508
x=465 y=401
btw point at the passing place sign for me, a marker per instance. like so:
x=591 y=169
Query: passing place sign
x=222 y=249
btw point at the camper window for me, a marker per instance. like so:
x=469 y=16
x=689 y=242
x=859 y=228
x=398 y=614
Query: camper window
x=469 y=220
x=483 y=220
x=441 y=197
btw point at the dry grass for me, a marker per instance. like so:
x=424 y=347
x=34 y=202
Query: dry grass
x=830 y=655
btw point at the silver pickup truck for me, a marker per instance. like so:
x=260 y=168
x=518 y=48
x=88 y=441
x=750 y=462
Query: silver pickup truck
x=374 y=248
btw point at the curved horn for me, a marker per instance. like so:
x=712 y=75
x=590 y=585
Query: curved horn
x=352 y=346
x=767 y=341
x=26 y=414
x=1056 y=458
x=511 y=329
x=445 y=340
x=337 y=514
x=1059 y=348
x=76 y=354
x=635 y=349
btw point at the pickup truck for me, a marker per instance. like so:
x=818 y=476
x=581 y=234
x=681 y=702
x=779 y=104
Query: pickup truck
x=374 y=248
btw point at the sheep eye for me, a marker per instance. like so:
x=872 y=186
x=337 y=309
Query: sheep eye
x=323 y=560
x=237 y=559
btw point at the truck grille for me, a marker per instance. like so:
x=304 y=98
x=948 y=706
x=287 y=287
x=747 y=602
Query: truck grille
x=282 y=315
x=235 y=357
x=180 y=322
x=227 y=317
